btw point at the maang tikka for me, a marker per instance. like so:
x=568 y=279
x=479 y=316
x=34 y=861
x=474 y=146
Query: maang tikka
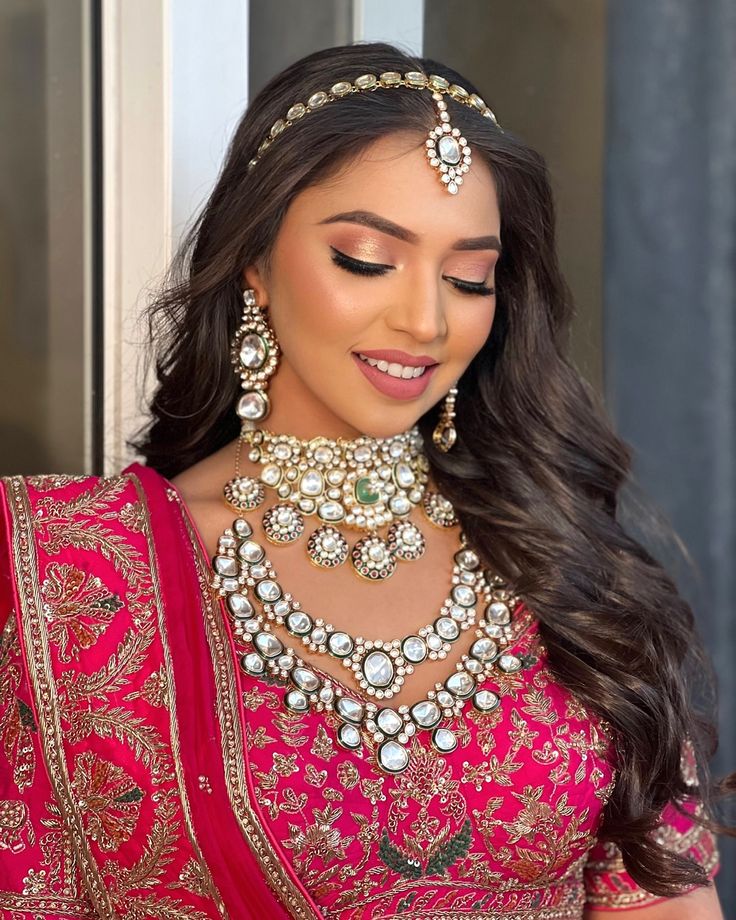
x=447 y=150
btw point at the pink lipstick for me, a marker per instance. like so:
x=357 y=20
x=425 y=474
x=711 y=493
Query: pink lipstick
x=397 y=387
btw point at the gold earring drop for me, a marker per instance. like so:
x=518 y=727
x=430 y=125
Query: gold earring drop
x=445 y=433
x=255 y=354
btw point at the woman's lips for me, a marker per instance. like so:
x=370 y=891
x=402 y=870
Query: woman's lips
x=397 y=387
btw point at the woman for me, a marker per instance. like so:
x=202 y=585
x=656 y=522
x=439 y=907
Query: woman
x=493 y=718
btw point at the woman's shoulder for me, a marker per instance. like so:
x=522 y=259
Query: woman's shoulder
x=50 y=499
x=63 y=535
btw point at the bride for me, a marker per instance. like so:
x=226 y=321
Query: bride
x=363 y=635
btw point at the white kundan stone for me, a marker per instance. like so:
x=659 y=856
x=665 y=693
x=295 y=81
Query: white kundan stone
x=393 y=756
x=378 y=669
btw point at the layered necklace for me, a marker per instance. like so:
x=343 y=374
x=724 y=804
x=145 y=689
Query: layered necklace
x=257 y=603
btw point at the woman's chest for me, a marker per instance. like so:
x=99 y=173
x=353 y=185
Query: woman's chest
x=505 y=819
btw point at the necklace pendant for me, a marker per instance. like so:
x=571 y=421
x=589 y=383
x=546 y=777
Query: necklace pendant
x=392 y=756
x=283 y=524
x=439 y=510
x=372 y=559
x=378 y=671
x=243 y=493
x=327 y=547
x=405 y=540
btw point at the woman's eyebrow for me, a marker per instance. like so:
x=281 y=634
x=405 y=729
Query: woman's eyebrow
x=383 y=225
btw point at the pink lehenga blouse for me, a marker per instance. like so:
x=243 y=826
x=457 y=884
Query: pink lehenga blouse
x=144 y=774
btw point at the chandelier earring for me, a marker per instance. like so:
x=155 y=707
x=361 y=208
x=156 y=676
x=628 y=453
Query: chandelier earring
x=255 y=353
x=445 y=433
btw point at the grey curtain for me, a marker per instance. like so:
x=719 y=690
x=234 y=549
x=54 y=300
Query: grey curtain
x=670 y=299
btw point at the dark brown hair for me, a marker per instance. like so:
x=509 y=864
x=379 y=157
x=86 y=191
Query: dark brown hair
x=537 y=472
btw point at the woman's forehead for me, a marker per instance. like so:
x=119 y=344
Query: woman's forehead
x=391 y=177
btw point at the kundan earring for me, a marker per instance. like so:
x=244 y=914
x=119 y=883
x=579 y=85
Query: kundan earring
x=255 y=353
x=445 y=433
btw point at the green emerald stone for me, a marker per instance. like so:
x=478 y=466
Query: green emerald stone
x=365 y=493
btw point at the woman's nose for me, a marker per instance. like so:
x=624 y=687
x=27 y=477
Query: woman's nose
x=419 y=309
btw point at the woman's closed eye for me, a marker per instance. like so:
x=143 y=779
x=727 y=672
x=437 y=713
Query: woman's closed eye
x=359 y=267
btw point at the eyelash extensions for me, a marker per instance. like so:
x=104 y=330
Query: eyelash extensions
x=358 y=267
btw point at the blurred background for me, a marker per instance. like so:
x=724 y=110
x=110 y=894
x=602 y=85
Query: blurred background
x=114 y=117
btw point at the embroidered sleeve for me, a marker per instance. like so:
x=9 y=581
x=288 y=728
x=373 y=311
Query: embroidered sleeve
x=38 y=876
x=609 y=886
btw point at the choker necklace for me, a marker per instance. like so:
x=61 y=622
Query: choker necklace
x=241 y=568
x=363 y=484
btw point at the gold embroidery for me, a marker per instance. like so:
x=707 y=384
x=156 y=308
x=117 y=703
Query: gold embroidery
x=38 y=657
x=78 y=606
x=348 y=774
x=232 y=751
x=534 y=844
x=16 y=830
x=17 y=722
x=292 y=727
x=38 y=906
x=49 y=481
x=697 y=840
x=63 y=524
x=254 y=698
x=284 y=765
x=132 y=516
x=315 y=777
x=170 y=696
x=323 y=746
x=153 y=691
x=318 y=839
x=58 y=853
x=108 y=798
x=258 y=738
x=102 y=800
x=194 y=878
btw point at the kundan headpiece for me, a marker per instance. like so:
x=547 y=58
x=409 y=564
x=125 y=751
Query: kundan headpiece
x=447 y=150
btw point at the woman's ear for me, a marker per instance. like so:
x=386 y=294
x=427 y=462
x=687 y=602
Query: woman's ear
x=254 y=278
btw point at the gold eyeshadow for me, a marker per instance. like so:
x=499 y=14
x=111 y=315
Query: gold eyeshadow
x=365 y=249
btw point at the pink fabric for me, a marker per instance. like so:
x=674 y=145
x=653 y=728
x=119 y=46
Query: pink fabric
x=220 y=837
x=110 y=630
x=102 y=575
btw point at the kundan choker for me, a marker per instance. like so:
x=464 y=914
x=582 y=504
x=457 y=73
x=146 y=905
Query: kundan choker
x=363 y=484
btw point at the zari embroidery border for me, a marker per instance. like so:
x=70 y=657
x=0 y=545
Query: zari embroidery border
x=171 y=687
x=39 y=666
x=533 y=913
x=232 y=744
x=41 y=906
x=626 y=899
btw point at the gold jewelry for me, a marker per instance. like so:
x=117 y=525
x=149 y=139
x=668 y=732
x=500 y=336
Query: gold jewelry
x=445 y=433
x=242 y=493
x=447 y=150
x=364 y=484
x=255 y=354
x=254 y=351
x=241 y=569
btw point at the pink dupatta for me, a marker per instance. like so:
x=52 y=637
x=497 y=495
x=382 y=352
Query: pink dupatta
x=125 y=790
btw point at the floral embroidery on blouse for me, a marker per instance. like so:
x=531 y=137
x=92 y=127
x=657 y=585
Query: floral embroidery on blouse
x=503 y=826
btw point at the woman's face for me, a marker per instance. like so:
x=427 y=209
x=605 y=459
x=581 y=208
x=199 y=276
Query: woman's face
x=379 y=262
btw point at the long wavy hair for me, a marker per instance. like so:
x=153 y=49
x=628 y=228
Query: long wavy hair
x=537 y=470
